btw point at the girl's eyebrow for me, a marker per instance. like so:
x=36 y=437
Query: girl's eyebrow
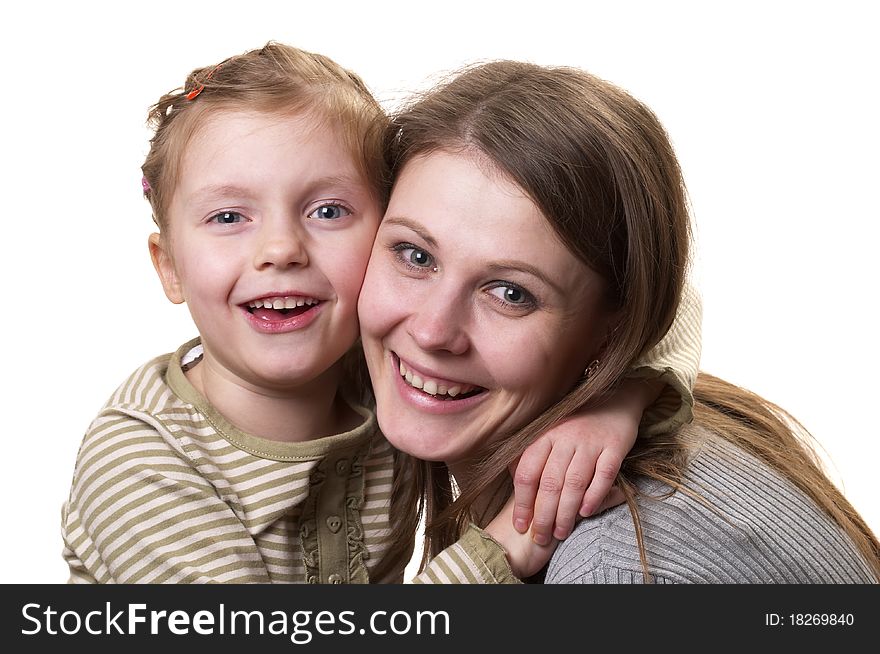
x=211 y=191
x=414 y=226
x=347 y=183
x=216 y=191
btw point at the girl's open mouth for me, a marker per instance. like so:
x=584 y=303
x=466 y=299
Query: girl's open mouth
x=279 y=309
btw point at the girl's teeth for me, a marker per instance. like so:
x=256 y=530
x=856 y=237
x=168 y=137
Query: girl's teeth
x=430 y=387
x=417 y=381
x=278 y=303
x=455 y=390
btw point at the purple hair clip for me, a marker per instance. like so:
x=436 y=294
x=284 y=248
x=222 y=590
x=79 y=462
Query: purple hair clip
x=145 y=184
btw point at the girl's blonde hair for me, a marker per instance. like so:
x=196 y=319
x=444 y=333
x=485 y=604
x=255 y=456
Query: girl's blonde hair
x=276 y=78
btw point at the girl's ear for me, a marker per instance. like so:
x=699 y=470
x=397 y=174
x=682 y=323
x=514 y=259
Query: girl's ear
x=164 y=265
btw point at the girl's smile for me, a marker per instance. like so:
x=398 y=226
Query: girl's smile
x=277 y=313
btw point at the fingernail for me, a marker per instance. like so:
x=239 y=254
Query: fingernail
x=541 y=539
x=520 y=525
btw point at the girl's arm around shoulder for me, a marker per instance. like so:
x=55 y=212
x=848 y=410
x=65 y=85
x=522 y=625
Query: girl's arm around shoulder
x=477 y=558
x=498 y=554
x=675 y=361
x=570 y=469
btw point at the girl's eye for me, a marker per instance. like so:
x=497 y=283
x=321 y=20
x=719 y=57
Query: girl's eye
x=227 y=218
x=330 y=212
x=410 y=255
x=513 y=295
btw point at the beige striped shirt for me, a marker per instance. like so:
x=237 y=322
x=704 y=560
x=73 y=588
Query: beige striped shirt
x=165 y=490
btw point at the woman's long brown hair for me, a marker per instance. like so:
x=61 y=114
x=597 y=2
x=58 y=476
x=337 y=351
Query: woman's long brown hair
x=601 y=168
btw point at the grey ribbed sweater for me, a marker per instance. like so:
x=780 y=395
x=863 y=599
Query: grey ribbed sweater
x=767 y=532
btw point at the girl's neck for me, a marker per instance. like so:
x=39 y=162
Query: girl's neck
x=303 y=413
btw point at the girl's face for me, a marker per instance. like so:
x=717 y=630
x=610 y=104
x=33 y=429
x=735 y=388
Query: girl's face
x=474 y=316
x=270 y=230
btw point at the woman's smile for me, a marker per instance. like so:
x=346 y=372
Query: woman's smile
x=432 y=393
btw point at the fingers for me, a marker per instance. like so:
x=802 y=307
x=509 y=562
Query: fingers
x=615 y=496
x=607 y=467
x=525 y=482
x=558 y=478
x=577 y=478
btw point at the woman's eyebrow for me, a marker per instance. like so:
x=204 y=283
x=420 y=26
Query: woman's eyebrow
x=414 y=226
x=494 y=266
x=522 y=266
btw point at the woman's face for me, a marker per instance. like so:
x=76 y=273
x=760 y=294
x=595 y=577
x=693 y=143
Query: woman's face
x=474 y=316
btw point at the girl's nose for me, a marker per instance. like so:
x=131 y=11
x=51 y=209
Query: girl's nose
x=282 y=245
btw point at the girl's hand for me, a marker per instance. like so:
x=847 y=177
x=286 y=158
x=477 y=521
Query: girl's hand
x=525 y=556
x=568 y=472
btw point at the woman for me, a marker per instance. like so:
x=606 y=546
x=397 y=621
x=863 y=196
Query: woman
x=571 y=267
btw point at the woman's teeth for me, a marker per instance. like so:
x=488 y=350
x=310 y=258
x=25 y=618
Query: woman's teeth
x=432 y=387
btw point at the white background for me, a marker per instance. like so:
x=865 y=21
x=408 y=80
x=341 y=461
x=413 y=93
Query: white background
x=772 y=106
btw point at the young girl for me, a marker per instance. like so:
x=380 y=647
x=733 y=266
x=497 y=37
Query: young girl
x=251 y=453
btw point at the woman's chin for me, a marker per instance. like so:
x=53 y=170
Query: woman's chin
x=415 y=440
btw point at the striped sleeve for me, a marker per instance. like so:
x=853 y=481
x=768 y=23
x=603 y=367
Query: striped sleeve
x=475 y=559
x=675 y=360
x=140 y=512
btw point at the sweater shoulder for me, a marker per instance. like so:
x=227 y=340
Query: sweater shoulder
x=735 y=521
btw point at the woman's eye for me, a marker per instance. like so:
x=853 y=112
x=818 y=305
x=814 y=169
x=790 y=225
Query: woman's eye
x=414 y=256
x=227 y=218
x=419 y=257
x=330 y=212
x=513 y=295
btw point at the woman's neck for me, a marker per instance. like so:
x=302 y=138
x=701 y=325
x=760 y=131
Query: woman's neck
x=303 y=413
x=489 y=502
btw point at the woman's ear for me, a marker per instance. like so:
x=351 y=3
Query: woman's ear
x=164 y=265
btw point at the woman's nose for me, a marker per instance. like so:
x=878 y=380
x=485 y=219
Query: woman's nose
x=440 y=325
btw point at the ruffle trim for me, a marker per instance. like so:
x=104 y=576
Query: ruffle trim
x=358 y=553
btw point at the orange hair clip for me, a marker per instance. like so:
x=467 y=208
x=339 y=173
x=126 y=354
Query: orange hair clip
x=192 y=95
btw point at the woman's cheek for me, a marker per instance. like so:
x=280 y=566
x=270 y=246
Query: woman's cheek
x=376 y=300
x=524 y=355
